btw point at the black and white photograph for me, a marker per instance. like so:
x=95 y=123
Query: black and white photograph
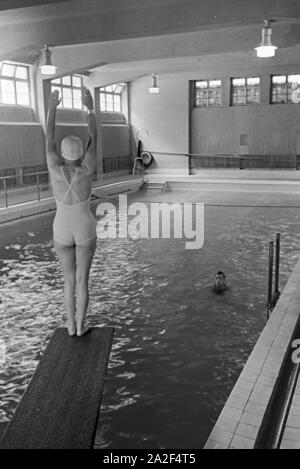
x=149 y=227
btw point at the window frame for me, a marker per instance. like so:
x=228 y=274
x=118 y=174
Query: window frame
x=60 y=86
x=208 y=88
x=104 y=92
x=245 y=87
x=287 y=101
x=15 y=79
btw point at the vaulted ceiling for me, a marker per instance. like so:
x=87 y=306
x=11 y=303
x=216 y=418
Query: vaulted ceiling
x=138 y=35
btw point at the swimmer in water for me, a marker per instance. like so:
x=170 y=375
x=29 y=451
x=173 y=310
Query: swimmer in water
x=220 y=285
x=74 y=226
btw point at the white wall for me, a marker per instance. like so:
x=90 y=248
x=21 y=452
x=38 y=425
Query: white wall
x=165 y=118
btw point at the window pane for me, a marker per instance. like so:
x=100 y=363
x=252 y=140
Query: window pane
x=110 y=97
x=22 y=93
x=202 y=98
x=8 y=70
x=294 y=79
x=238 y=81
x=253 y=95
x=279 y=94
x=66 y=81
x=77 y=81
x=14 y=88
x=67 y=98
x=214 y=83
x=201 y=84
x=253 y=81
x=8 y=92
x=110 y=107
x=102 y=102
x=56 y=81
x=214 y=97
x=77 y=102
x=239 y=95
x=22 y=72
x=119 y=89
x=23 y=100
x=279 y=79
x=117 y=103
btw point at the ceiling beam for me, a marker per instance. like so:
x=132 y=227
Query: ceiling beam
x=13 y=4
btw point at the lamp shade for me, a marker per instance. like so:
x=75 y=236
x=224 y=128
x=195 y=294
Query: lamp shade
x=154 y=88
x=266 y=49
x=48 y=68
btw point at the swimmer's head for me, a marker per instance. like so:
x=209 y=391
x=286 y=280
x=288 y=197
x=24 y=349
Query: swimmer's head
x=220 y=280
x=71 y=148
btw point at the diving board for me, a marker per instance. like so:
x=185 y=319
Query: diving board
x=61 y=405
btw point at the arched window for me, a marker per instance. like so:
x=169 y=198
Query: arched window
x=110 y=98
x=14 y=84
x=69 y=88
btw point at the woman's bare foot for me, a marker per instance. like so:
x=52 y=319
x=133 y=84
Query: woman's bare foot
x=72 y=329
x=82 y=329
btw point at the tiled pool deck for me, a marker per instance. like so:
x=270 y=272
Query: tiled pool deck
x=232 y=180
x=238 y=424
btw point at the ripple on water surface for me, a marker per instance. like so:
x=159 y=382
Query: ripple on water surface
x=178 y=348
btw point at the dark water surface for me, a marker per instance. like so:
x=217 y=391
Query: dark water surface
x=178 y=347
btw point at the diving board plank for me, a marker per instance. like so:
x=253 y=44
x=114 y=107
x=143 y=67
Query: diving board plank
x=61 y=405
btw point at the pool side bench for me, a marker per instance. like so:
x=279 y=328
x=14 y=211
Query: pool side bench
x=61 y=405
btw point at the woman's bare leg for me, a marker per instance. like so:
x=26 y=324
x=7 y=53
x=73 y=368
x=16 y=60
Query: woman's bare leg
x=66 y=255
x=84 y=258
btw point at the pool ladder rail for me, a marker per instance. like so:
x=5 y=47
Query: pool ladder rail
x=273 y=297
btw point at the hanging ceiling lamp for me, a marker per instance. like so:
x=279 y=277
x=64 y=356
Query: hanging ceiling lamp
x=48 y=68
x=266 y=49
x=154 y=88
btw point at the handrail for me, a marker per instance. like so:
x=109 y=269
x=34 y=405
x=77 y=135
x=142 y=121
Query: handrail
x=273 y=298
x=228 y=155
x=23 y=175
x=39 y=183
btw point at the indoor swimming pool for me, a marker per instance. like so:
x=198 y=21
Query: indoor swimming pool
x=178 y=347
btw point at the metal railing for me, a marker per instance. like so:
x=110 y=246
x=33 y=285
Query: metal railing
x=237 y=161
x=270 y=161
x=117 y=163
x=24 y=188
x=273 y=297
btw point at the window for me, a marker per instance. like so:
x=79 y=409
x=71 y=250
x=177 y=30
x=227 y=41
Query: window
x=69 y=88
x=110 y=98
x=208 y=93
x=245 y=91
x=285 y=89
x=14 y=84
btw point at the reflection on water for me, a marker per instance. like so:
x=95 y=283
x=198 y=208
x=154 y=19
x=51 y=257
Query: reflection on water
x=178 y=348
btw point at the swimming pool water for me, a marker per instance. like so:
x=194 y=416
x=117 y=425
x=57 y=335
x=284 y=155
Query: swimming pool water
x=178 y=348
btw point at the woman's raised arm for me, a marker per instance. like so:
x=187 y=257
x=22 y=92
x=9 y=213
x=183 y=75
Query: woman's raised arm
x=52 y=156
x=89 y=160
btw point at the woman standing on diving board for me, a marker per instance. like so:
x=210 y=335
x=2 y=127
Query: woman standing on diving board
x=74 y=226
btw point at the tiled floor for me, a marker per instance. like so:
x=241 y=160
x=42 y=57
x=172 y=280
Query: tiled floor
x=291 y=436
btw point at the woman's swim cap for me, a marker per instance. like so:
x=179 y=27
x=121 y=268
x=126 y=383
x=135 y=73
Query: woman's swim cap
x=71 y=148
